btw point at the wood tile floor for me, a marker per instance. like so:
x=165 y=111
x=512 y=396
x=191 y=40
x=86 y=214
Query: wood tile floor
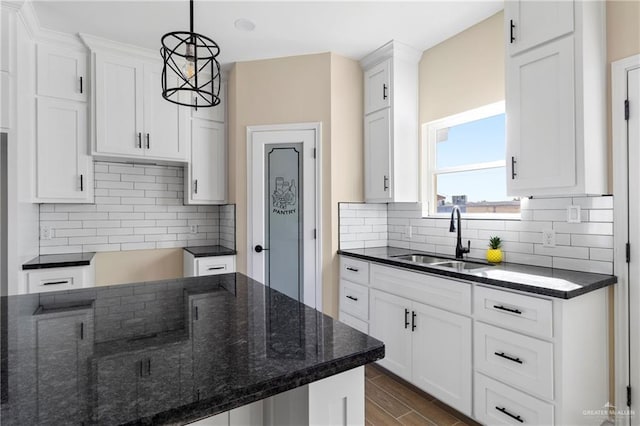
x=391 y=401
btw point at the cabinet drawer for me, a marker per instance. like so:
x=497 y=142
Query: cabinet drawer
x=354 y=299
x=354 y=270
x=216 y=265
x=354 y=322
x=514 y=311
x=498 y=404
x=55 y=279
x=518 y=360
x=448 y=294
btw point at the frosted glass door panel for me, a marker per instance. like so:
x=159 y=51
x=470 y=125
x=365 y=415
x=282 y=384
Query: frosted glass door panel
x=284 y=219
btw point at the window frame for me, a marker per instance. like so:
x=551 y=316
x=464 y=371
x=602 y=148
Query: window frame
x=428 y=163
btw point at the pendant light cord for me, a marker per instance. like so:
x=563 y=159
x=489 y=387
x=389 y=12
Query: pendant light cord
x=191 y=16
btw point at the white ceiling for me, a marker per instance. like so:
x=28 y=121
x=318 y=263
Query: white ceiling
x=352 y=29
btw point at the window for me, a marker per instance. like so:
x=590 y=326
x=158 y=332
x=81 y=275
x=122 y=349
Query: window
x=464 y=164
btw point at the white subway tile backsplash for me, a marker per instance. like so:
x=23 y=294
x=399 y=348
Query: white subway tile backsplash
x=138 y=207
x=580 y=246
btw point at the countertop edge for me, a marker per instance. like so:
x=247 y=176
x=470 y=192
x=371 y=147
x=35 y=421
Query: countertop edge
x=240 y=397
x=228 y=252
x=61 y=264
x=482 y=280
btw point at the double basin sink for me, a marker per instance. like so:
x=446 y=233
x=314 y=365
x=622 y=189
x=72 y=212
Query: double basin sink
x=442 y=262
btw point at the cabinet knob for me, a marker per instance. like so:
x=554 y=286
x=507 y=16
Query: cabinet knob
x=195 y=186
x=81 y=183
x=148 y=140
x=384 y=91
x=81 y=88
x=386 y=183
x=139 y=140
x=513 y=168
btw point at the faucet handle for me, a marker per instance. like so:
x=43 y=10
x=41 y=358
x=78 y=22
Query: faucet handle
x=468 y=249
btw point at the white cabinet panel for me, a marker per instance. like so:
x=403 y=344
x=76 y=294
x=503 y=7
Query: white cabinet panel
x=354 y=299
x=442 y=356
x=206 y=182
x=354 y=270
x=536 y=22
x=390 y=323
x=58 y=279
x=5 y=116
x=163 y=120
x=378 y=156
x=64 y=168
x=377 y=87
x=541 y=148
x=62 y=72
x=119 y=107
x=216 y=265
x=216 y=113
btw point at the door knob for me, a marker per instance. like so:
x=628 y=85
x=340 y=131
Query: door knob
x=259 y=248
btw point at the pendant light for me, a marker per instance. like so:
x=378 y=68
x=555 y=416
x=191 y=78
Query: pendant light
x=191 y=72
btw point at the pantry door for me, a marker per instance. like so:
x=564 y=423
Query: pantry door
x=282 y=249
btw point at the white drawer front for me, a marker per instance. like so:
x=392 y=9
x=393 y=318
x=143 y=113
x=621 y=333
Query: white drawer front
x=514 y=311
x=498 y=404
x=354 y=299
x=354 y=270
x=354 y=322
x=54 y=279
x=431 y=290
x=522 y=361
x=216 y=265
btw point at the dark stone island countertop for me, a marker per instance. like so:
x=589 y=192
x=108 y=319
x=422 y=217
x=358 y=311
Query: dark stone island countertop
x=167 y=352
x=206 y=251
x=560 y=283
x=59 y=260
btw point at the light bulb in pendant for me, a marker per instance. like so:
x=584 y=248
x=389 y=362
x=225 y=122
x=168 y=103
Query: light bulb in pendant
x=189 y=67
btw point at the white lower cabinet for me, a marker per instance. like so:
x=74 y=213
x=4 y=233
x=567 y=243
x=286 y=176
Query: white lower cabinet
x=499 y=356
x=59 y=279
x=208 y=265
x=426 y=346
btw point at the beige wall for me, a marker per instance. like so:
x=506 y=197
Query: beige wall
x=463 y=72
x=323 y=88
x=121 y=267
x=347 y=159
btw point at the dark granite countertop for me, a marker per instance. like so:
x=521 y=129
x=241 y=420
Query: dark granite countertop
x=206 y=251
x=560 y=283
x=167 y=352
x=59 y=260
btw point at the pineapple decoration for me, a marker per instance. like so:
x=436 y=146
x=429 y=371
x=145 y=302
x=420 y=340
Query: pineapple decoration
x=494 y=254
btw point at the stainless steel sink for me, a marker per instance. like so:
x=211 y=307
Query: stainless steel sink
x=442 y=262
x=420 y=258
x=460 y=265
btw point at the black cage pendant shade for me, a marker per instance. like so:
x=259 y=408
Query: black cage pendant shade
x=191 y=72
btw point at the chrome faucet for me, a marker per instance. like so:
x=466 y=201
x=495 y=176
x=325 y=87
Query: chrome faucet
x=460 y=251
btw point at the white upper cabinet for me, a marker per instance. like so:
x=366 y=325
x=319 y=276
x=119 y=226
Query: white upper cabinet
x=555 y=99
x=391 y=124
x=62 y=72
x=131 y=117
x=64 y=170
x=531 y=23
x=207 y=170
x=163 y=120
x=63 y=165
x=119 y=91
x=377 y=83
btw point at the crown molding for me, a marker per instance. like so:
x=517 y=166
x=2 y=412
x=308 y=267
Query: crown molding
x=95 y=43
x=392 y=49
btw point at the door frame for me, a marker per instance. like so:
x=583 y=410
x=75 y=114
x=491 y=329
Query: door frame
x=316 y=127
x=619 y=71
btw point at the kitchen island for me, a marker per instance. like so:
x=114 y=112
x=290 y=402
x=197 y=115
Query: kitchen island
x=174 y=352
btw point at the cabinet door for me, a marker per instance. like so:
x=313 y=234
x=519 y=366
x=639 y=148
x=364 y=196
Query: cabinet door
x=208 y=167
x=216 y=113
x=377 y=149
x=159 y=386
x=541 y=145
x=62 y=73
x=536 y=22
x=63 y=369
x=377 y=87
x=442 y=356
x=63 y=167
x=391 y=323
x=119 y=94
x=163 y=120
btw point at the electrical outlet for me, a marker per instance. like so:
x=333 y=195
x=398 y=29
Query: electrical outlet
x=45 y=232
x=548 y=238
x=193 y=229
